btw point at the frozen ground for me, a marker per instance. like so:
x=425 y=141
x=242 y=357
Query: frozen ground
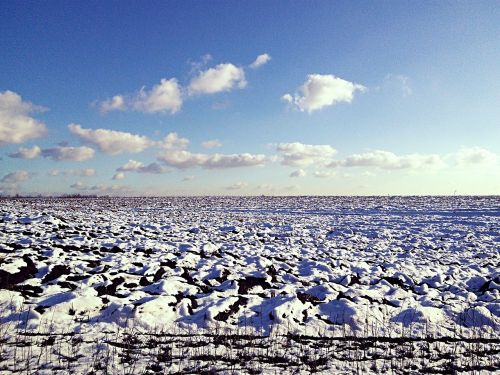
x=301 y=284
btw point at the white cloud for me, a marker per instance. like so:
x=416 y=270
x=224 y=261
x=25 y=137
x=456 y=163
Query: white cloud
x=297 y=154
x=321 y=91
x=27 y=153
x=116 y=103
x=475 y=155
x=119 y=176
x=69 y=153
x=389 y=160
x=173 y=142
x=237 y=186
x=260 y=60
x=139 y=167
x=163 y=97
x=79 y=186
x=174 y=154
x=184 y=159
x=323 y=174
x=214 y=143
x=298 y=173
x=234 y=160
x=222 y=77
x=112 y=142
x=54 y=172
x=188 y=178
x=131 y=165
x=15 y=177
x=16 y=124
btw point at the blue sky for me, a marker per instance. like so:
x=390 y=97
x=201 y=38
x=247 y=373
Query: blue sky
x=283 y=97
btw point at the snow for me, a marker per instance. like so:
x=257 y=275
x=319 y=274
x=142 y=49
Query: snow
x=425 y=265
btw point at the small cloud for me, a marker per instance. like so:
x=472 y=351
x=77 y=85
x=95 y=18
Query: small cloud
x=260 y=60
x=223 y=77
x=116 y=103
x=319 y=91
x=119 y=176
x=388 y=160
x=111 y=142
x=474 y=156
x=16 y=177
x=79 y=186
x=174 y=154
x=16 y=124
x=139 y=167
x=188 y=178
x=173 y=142
x=214 y=143
x=54 y=172
x=237 y=186
x=323 y=174
x=298 y=154
x=27 y=153
x=69 y=153
x=163 y=97
x=196 y=66
x=298 y=173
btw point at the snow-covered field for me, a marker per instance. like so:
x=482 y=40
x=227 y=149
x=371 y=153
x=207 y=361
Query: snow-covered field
x=250 y=285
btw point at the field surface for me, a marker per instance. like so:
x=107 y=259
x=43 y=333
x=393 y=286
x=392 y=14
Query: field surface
x=250 y=285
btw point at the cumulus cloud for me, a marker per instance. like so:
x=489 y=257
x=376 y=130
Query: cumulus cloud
x=475 y=155
x=260 y=60
x=119 y=176
x=319 y=91
x=214 y=143
x=111 y=142
x=237 y=186
x=184 y=159
x=163 y=97
x=116 y=103
x=16 y=124
x=139 y=167
x=297 y=154
x=233 y=160
x=173 y=153
x=222 y=77
x=69 y=153
x=79 y=186
x=27 y=153
x=298 y=173
x=389 y=160
x=16 y=177
x=188 y=178
x=173 y=142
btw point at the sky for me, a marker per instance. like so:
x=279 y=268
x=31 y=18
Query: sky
x=250 y=97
